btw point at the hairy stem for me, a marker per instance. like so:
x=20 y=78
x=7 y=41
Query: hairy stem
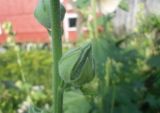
x=57 y=53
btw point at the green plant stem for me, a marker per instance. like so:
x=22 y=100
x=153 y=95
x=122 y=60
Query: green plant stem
x=57 y=53
x=94 y=14
x=19 y=62
x=104 y=84
x=113 y=98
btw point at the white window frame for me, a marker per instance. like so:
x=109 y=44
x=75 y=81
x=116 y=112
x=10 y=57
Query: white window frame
x=66 y=21
x=66 y=27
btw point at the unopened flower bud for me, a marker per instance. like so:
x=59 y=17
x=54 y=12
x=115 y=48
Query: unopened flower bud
x=77 y=66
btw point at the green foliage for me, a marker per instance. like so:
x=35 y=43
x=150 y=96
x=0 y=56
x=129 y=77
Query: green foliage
x=127 y=70
x=31 y=64
x=149 y=24
x=124 y=5
x=13 y=90
x=99 y=46
x=154 y=61
x=126 y=83
x=82 y=3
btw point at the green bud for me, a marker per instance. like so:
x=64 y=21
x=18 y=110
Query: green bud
x=77 y=65
x=43 y=13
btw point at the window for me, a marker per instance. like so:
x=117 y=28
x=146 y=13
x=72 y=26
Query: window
x=72 y=22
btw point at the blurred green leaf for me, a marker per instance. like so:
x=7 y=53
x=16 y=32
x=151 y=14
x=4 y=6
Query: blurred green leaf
x=82 y=3
x=103 y=48
x=124 y=5
x=75 y=102
x=154 y=61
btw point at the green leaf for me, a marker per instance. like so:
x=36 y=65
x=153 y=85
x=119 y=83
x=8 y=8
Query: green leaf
x=154 y=61
x=103 y=48
x=82 y=3
x=75 y=102
x=124 y=5
x=43 y=13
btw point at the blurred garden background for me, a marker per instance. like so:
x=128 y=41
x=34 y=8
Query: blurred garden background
x=126 y=35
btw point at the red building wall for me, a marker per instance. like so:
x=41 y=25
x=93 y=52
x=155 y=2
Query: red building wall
x=20 y=14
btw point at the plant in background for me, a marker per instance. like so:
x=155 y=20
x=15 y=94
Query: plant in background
x=14 y=92
x=15 y=65
x=11 y=44
x=121 y=68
